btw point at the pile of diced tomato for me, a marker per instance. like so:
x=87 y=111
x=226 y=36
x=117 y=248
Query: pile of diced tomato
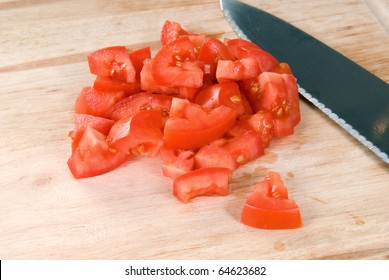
x=204 y=106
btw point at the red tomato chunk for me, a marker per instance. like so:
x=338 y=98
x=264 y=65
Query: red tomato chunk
x=268 y=206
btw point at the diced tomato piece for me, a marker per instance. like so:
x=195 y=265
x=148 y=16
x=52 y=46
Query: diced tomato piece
x=240 y=145
x=243 y=143
x=139 y=134
x=279 y=95
x=245 y=68
x=210 y=53
x=138 y=57
x=109 y=84
x=175 y=65
x=268 y=206
x=202 y=182
x=148 y=82
x=215 y=155
x=131 y=105
x=262 y=123
x=176 y=162
x=92 y=156
x=82 y=121
x=112 y=62
x=97 y=102
x=171 y=31
x=190 y=125
x=243 y=49
x=227 y=94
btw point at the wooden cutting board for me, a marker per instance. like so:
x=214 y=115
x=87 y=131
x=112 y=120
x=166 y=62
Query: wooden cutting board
x=130 y=213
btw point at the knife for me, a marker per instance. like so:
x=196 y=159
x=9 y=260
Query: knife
x=350 y=95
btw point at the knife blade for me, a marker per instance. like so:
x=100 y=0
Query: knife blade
x=350 y=95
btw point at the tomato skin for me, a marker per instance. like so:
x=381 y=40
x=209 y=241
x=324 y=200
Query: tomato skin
x=227 y=94
x=202 y=182
x=176 y=162
x=268 y=206
x=108 y=84
x=139 y=134
x=97 y=102
x=92 y=156
x=175 y=65
x=112 y=62
x=191 y=126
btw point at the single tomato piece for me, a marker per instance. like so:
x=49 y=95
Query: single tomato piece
x=140 y=134
x=175 y=65
x=97 y=102
x=215 y=155
x=245 y=68
x=262 y=123
x=112 y=62
x=176 y=162
x=171 y=31
x=82 y=121
x=268 y=206
x=148 y=82
x=245 y=146
x=131 y=105
x=227 y=94
x=202 y=182
x=191 y=126
x=243 y=49
x=92 y=156
x=279 y=95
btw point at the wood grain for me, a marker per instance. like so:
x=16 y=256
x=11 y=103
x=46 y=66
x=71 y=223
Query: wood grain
x=130 y=213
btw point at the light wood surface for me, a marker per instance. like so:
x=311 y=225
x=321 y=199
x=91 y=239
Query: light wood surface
x=130 y=213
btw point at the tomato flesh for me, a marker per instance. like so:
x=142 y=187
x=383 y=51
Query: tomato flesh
x=139 y=134
x=190 y=125
x=112 y=62
x=175 y=65
x=176 y=162
x=242 y=49
x=97 y=102
x=245 y=68
x=227 y=94
x=92 y=156
x=202 y=182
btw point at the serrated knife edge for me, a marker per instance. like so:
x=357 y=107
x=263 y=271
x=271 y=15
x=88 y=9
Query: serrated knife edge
x=316 y=102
